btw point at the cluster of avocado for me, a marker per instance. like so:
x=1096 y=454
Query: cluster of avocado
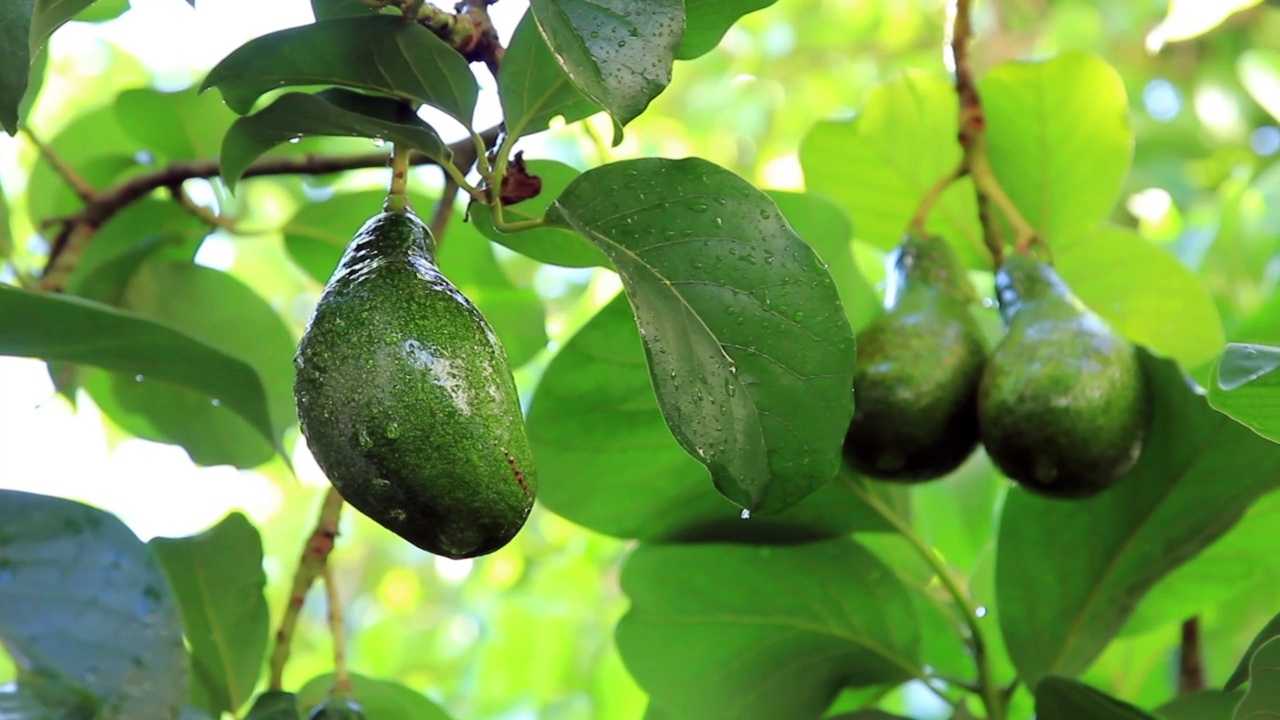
x=406 y=398
x=1061 y=405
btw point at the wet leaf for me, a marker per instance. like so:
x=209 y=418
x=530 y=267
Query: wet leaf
x=534 y=87
x=1246 y=387
x=1062 y=699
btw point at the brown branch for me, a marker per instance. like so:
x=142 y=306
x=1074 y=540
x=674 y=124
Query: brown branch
x=310 y=566
x=102 y=206
x=1190 y=659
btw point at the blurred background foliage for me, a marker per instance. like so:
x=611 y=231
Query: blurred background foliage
x=527 y=632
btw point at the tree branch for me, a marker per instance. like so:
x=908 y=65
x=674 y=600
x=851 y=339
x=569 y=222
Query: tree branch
x=1190 y=662
x=102 y=206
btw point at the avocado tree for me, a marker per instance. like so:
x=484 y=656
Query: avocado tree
x=1029 y=474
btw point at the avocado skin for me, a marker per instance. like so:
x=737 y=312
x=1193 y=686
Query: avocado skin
x=918 y=366
x=337 y=710
x=407 y=401
x=1064 y=405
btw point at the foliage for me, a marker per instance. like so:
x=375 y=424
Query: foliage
x=677 y=271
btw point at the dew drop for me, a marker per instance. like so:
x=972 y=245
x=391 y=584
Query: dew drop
x=139 y=378
x=215 y=402
x=746 y=514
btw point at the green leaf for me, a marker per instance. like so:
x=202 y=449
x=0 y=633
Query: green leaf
x=706 y=21
x=607 y=461
x=1259 y=71
x=327 y=9
x=218 y=579
x=274 y=705
x=748 y=346
x=1246 y=387
x=81 y=597
x=1059 y=140
x=1062 y=699
x=1240 y=675
x=223 y=312
x=379 y=53
x=69 y=329
x=532 y=85
x=763 y=633
x=177 y=125
x=1146 y=293
x=551 y=245
x=27 y=25
x=879 y=166
x=378 y=698
x=826 y=229
x=1203 y=705
x=867 y=715
x=43 y=698
x=102 y=11
x=334 y=112
x=619 y=53
x=6 y=231
x=1263 y=696
x=1199 y=472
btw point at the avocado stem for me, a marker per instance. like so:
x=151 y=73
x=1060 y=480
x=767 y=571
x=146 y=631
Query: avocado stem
x=314 y=557
x=986 y=685
x=398 y=195
x=931 y=196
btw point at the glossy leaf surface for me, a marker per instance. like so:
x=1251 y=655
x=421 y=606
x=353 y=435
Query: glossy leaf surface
x=1246 y=387
x=534 y=87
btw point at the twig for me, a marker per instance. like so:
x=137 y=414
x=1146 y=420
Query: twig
x=917 y=225
x=310 y=566
x=991 y=697
x=65 y=254
x=973 y=139
x=73 y=179
x=341 y=676
x=468 y=30
x=1190 y=659
x=398 y=194
x=206 y=216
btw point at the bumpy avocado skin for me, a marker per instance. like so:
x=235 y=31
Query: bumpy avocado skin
x=918 y=367
x=407 y=401
x=1063 y=406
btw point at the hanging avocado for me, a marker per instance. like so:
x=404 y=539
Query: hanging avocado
x=917 y=371
x=407 y=401
x=1063 y=406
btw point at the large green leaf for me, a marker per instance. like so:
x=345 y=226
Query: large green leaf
x=69 y=329
x=177 y=125
x=1204 y=705
x=334 y=112
x=1059 y=141
x=1263 y=696
x=26 y=25
x=318 y=233
x=551 y=245
x=826 y=229
x=1146 y=293
x=763 y=633
x=749 y=349
x=1246 y=387
x=706 y=21
x=607 y=460
x=1240 y=675
x=880 y=165
x=1199 y=472
x=619 y=53
x=218 y=579
x=534 y=87
x=81 y=597
x=221 y=311
x=1063 y=699
x=377 y=698
x=326 y=9
x=380 y=53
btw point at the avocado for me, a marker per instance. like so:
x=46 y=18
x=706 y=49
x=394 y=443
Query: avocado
x=1064 y=406
x=337 y=710
x=406 y=398
x=918 y=365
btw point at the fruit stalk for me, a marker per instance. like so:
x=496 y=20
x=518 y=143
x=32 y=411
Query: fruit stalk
x=315 y=555
x=398 y=195
x=992 y=698
x=341 y=676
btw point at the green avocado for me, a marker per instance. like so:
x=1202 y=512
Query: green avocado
x=918 y=365
x=406 y=398
x=1063 y=406
x=337 y=710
